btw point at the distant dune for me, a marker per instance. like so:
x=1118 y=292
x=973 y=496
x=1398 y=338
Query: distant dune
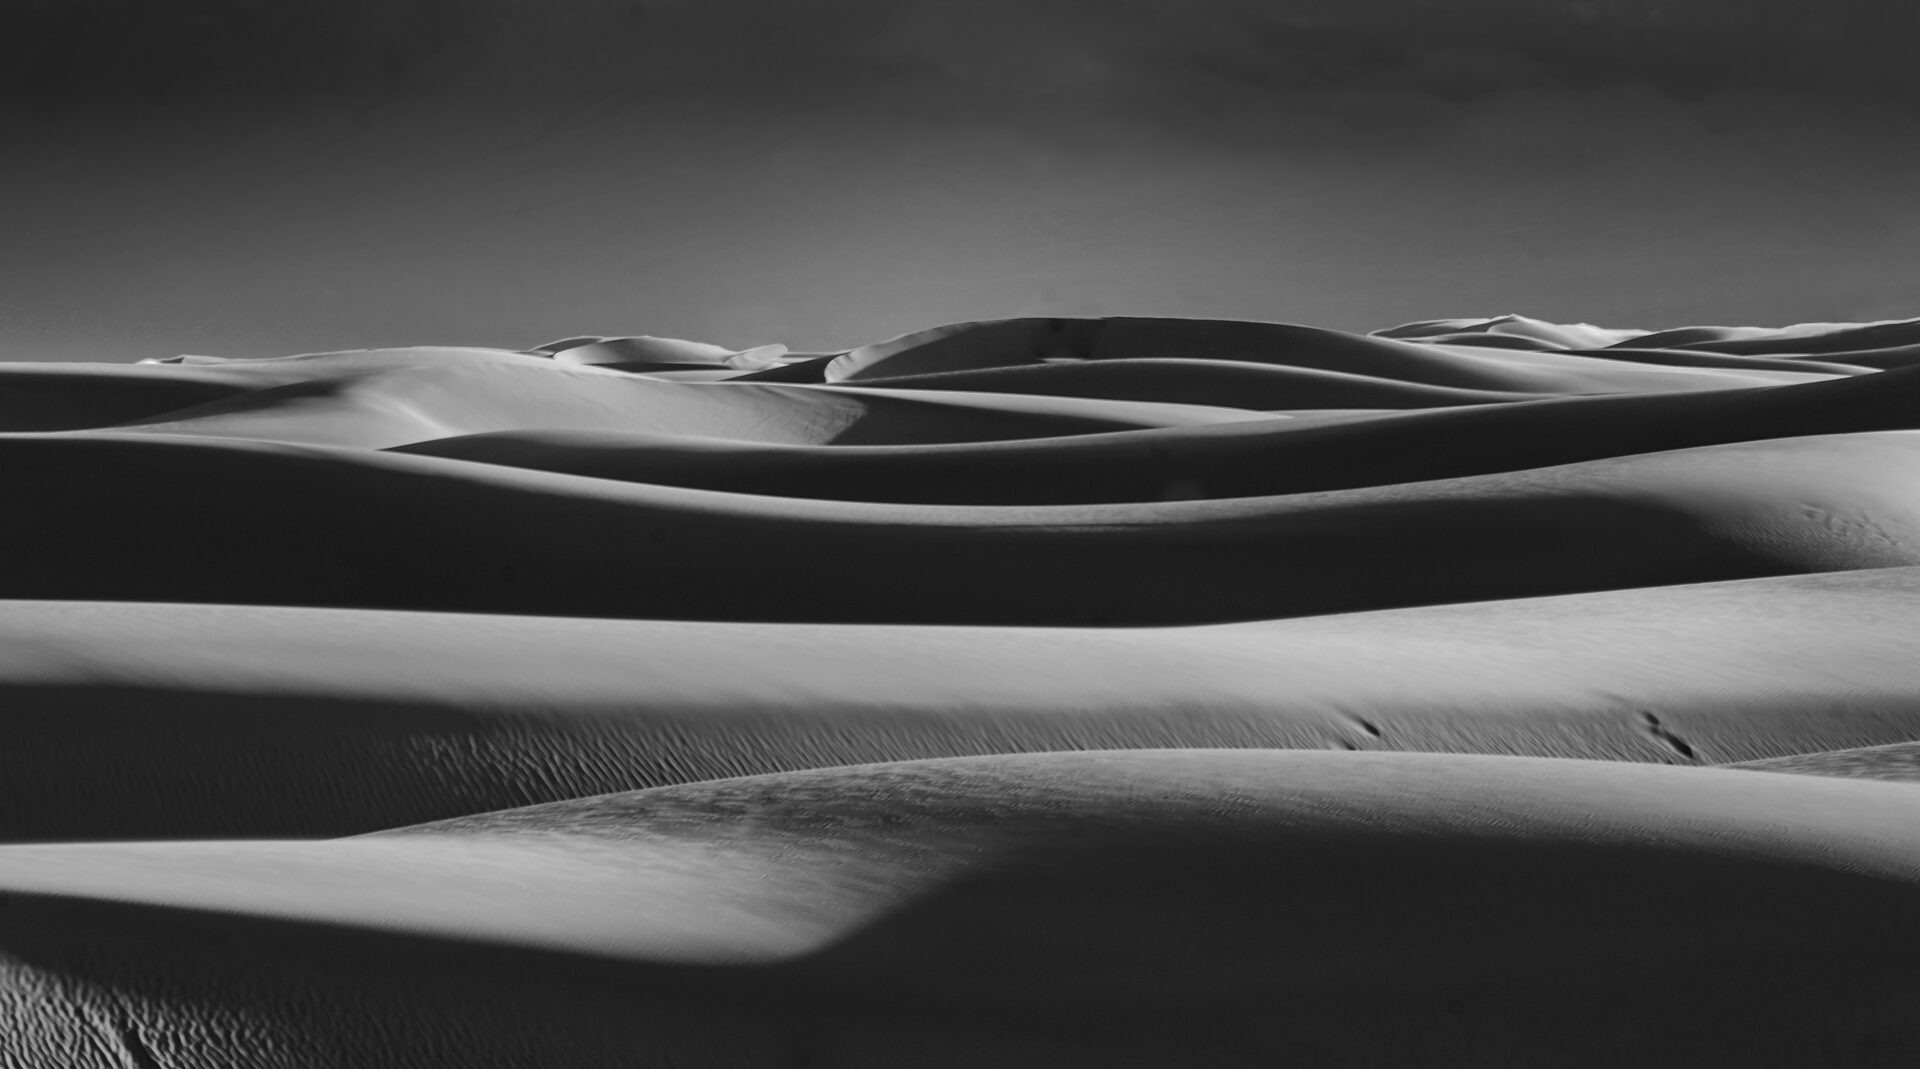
x=1037 y=692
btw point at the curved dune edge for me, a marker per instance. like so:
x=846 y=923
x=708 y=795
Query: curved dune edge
x=1013 y=342
x=381 y=530
x=884 y=909
x=1898 y=761
x=270 y=721
x=1251 y=458
x=1200 y=381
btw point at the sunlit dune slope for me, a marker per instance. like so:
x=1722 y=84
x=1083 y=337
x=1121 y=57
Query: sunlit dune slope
x=1240 y=459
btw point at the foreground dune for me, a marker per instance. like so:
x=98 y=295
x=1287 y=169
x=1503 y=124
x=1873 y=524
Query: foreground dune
x=1150 y=908
x=1041 y=692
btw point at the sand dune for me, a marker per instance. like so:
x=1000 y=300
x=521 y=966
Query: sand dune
x=65 y=397
x=375 y=411
x=1819 y=338
x=1032 y=692
x=1702 y=358
x=1882 y=359
x=1206 y=382
x=269 y=721
x=1005 y=343
x=1894 y=761
x=1360 y=910
x=1535 y=331
x=1246 y=458
x=265 y=372
x=393 y=531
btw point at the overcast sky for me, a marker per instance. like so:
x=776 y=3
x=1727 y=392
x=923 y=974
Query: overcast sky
x=244 y=177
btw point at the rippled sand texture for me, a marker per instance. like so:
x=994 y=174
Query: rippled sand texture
x=1042 y=692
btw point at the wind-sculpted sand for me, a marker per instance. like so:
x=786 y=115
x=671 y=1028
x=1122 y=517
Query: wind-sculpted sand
x=1050 y=692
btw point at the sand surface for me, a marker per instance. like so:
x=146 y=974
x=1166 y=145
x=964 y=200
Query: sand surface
x=1040 y=692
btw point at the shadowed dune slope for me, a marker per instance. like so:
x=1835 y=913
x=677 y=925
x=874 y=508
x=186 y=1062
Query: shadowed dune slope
x=1362 y=909
x=64 y=397
x=378 y=410
x=1256 y=457
x=1523 y=328
x=1204 y=382
x=1700 y=358
x=257 y=373
x=1013 y=342
x=322 y=526
x=1489 y=341
x=1898 y=356
x=164 y=720
x=1808 y=338
x=640 y=353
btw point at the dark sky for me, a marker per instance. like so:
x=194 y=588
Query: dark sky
x=260 y=176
